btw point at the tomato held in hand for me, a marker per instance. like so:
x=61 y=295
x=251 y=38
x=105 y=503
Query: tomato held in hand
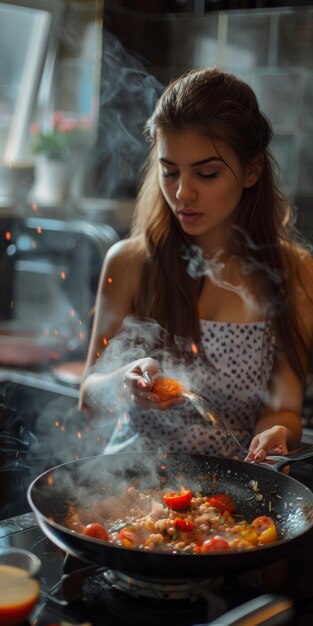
x=167 y=389
x=178 y=500
x=223 y=502
x=96 y=531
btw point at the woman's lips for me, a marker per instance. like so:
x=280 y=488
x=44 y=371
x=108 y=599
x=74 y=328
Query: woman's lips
x=189 y=217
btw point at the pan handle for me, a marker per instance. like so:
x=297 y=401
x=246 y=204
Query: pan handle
x=279 y=461
x=263 y=610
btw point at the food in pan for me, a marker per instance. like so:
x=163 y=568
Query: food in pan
x=173 y=521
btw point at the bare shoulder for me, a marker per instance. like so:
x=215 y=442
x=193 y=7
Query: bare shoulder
x=124 y=252
x=122 y=266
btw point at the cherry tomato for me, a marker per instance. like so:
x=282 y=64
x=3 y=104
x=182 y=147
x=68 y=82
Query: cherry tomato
x=262 y=523
x=129 y=537
x=223 y=502
x=97 y=531
x=214 y=545
x=184 y=524
x=266 y=529
x=178 y=500
x=248 y=533
x=269 y=535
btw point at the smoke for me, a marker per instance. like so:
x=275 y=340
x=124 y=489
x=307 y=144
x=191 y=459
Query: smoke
x=214 y=268
x=128 y=96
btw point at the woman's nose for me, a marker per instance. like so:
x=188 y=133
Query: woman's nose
x=185 y=191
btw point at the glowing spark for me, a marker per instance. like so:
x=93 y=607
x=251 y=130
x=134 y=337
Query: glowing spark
x=62 y=275
x=119 y=424
x=63 y=429
x=57 y=423
x=39 y=230
x=97 y=354
x=194 y=348
x=50 y=480
x=78 y=435
x=105 y=341
x=72 y=312
x=8 y=235
x=110 y=280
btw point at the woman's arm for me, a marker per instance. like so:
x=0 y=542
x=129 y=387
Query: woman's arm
x=114 y=302
x=279 y=426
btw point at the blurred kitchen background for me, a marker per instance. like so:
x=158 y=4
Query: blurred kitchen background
x=78 y=79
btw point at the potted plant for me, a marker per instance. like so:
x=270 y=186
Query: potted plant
x=59 y=152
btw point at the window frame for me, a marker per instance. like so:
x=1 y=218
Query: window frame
x=39 y=62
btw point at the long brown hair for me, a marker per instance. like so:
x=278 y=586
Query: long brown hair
x=220 y=106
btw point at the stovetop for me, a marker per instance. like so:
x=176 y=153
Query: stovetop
x=100 y=604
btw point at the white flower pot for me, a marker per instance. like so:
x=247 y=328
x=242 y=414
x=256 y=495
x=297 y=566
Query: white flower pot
x=52 y=181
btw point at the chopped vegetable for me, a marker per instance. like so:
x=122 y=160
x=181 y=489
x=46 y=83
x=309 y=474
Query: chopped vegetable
x=266 y=529
x=178 y=500
x=184 y=524
x=97 y=531
x=214 y=545
x=223 y=502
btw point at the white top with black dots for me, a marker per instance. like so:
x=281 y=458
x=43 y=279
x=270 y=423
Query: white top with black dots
x=234 y=377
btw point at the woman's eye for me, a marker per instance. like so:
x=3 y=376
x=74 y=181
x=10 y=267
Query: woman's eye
x=207 y=176
x=168 y=174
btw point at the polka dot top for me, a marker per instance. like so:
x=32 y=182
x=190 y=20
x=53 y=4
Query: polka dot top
x=233 y=374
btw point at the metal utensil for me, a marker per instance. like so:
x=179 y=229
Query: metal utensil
x=206 y=411
x=209 y=414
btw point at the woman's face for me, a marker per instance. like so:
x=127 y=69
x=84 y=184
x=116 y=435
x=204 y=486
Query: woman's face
x=202 y=183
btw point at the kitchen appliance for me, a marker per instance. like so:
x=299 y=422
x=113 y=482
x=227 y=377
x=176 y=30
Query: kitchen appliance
x=47 y=304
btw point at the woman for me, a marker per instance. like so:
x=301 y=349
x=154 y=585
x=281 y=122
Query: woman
x=211 y=288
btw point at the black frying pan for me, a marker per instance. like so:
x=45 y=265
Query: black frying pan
x=86 y=481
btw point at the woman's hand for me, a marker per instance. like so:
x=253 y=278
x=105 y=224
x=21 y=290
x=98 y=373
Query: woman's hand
x=270 y=441
x=136 y=384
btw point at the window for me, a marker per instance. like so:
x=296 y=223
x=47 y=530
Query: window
x=26 y=47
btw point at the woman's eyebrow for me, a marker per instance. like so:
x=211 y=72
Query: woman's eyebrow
x=195 y=164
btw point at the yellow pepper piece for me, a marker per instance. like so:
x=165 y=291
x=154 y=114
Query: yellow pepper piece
x=269 y=535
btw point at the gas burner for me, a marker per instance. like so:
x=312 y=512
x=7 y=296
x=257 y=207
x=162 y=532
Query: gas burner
x=161 y=589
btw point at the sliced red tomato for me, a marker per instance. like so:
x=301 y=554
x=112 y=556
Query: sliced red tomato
x=184 y=524
x=97 y=531
x=214 y=545
x=223 y=502
x=178 y=500
x=266 y=529
x=262 y=522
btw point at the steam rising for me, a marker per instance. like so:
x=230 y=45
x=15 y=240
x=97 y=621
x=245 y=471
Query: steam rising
x=128 y=97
